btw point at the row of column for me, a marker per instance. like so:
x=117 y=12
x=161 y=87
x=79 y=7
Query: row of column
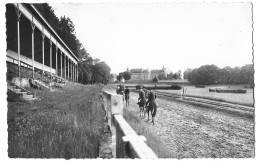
x=71 y=68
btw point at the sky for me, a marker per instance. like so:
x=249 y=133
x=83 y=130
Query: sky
x=175 y=35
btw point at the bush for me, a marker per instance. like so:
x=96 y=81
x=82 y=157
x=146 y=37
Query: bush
x=139 y=86
x=155 y=79
x=176 y=87
x=157 y=87
x=230 y=91
x=200 y=86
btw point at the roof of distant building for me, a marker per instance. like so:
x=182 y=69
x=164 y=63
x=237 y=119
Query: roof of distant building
x=139 y=70
x=156 y=71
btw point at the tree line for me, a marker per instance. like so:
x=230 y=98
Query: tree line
x=211 y=74
x=91 y=70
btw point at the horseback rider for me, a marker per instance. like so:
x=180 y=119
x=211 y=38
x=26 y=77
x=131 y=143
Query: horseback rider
x=117 y=89
x=127 y=96
x=151 y=105
x=141 y=101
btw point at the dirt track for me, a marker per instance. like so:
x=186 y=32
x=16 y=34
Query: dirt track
x=191 y=131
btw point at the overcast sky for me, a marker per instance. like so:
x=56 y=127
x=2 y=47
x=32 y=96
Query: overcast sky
x=176 y=35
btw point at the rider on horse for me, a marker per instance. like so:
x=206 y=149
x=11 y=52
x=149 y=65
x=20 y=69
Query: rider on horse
x=127 y=94
x=141 y=101
x=151 y=105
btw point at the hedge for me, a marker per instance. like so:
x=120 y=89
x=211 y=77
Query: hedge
x=200 y=86
x=231 y=91
x=157 y=87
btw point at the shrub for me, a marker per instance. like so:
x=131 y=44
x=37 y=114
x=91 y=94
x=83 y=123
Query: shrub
x=231 y=91
x=200 y=86
x=155 y=79
x=140 y=86
x=176 y=87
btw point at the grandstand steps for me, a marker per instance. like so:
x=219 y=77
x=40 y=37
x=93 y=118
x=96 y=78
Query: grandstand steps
x=17 y=93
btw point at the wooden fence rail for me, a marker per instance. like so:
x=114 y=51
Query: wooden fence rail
x=125 y=142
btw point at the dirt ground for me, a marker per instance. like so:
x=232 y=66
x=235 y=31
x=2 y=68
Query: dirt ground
x=198 y=132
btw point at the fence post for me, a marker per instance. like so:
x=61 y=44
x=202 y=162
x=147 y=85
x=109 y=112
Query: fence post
x=116 y=108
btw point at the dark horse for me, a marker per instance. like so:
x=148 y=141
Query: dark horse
x=120 y=90
x=151 y=107
x=127 y=96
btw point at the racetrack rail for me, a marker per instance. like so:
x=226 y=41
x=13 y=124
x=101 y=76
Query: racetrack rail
x=205 y=101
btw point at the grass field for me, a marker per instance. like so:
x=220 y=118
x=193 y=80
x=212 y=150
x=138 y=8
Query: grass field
x=190 y=90
x=153 y=141
x=243 y=99
x=66 y=123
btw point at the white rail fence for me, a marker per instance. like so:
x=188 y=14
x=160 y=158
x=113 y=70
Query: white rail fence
x=125 y=142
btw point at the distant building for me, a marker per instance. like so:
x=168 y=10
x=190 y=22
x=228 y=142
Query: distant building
x=140 y=74
x=156 y=73
x=144 y=74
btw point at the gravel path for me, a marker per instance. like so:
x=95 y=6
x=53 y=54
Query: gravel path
x=191 y=131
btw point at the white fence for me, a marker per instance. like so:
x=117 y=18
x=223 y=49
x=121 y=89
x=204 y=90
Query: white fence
x=125 y=142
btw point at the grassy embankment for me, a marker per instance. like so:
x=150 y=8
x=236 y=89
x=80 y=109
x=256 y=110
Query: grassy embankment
x=153 y=141
x=66 y=123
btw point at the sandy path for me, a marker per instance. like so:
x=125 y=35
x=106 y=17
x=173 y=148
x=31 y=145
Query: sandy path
x=191 y=131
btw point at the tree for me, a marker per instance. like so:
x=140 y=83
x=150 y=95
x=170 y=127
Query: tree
x=161 y=76
x=127 y=75
x=224 y=75
x=48 y=13
x=207 y=74
x=90 y=70
x=101 y=73
x=186 y=73
x=170 y=75
x=246 y=74
x=120 y=76
x=155 y=79
x=235 y=79
x=64 y=26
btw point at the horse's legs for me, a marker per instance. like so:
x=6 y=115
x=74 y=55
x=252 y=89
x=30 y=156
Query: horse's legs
x=148 y=114
x=152 y=120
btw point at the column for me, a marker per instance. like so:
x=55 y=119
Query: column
x=65 y=66
x=33 y=27
x=72 y=70
x=60 y=64
x=56 y=54
x=18 y=13
x=68 y=68
x=43 y=36
x=77 y=74
x=51 y=58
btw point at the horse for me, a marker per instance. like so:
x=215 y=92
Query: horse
x=151 y=107
x=120 y=90
x=127 y=96
x=142 y=103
